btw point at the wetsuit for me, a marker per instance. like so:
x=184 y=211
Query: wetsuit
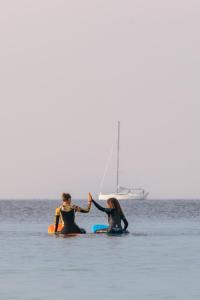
x=66 y=216
x=114 y=219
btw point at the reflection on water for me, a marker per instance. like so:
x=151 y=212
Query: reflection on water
x=158 y=259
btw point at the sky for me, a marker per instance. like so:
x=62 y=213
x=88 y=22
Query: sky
x=69 y=70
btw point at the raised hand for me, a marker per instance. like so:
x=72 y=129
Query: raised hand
x=89 y=198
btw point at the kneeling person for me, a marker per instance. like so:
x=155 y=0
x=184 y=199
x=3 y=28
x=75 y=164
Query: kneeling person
x=65 y=215
x=115 y=215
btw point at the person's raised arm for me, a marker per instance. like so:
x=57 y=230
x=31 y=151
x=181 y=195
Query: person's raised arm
x=104 y=209
x=99 y=206
x=84 y=210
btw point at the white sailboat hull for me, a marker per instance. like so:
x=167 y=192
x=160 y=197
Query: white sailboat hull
x=124 y=196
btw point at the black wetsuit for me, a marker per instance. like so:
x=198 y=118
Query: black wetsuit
x=114 y=219
x=68 y=219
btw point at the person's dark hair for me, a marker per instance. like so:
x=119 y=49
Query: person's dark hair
x=114 y=203
x=66 y=197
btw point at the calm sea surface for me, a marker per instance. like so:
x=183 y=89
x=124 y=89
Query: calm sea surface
x=159 y=259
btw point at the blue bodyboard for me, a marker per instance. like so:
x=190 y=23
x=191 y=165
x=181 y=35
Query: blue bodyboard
x=99 y=227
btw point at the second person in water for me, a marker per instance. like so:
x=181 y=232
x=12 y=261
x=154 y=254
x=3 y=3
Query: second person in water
x=115 y=215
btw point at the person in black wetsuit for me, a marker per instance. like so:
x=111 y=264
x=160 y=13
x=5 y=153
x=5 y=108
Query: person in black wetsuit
x=115 y=215
x=65 y=215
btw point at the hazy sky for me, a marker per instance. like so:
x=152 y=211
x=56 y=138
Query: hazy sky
x=69 y=70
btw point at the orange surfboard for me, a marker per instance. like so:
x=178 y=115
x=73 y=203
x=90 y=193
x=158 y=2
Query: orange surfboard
x=51 y=228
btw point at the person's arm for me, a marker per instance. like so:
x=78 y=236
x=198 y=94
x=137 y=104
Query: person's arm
x=84 y=210
x=57 y=218
x=104 y=209
x=125 y=223
x=81 y=209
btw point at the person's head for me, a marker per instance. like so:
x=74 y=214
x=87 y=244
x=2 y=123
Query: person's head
x=114 y=203
x=66 y=198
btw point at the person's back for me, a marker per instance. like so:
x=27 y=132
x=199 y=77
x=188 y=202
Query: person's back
x=114 y=220
x=66 y=216
x=115 y=215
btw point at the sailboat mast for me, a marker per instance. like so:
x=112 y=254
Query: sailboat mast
x=118 y=143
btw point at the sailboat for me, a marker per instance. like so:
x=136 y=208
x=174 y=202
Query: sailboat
x=124 y=193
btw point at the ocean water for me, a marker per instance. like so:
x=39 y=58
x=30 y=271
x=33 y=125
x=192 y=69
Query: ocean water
x=158 y=259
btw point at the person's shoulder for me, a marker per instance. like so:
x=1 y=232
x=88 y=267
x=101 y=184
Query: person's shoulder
x=112 y=209
x=58 y=210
